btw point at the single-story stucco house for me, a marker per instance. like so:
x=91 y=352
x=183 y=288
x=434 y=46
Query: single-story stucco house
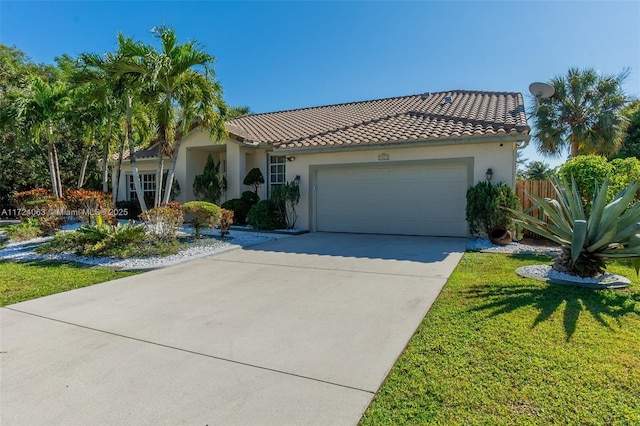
x=399 y=165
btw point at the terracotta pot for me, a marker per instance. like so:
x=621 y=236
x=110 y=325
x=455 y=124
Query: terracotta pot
x=500 y=235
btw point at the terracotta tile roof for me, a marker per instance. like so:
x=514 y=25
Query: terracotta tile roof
x=442 y=115
x=150 y=152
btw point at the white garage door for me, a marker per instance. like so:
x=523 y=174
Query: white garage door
x=400 y=199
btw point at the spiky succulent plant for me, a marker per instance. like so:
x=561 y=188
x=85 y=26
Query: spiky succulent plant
x=610 y=231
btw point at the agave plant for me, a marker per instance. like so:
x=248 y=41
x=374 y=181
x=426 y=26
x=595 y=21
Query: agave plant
x=610 y=231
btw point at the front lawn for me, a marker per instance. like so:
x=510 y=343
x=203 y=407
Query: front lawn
x=498 y=349
x=25 y=281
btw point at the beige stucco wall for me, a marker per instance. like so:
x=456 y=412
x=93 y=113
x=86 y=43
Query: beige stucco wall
x=496 y=155
x=145 y=165
x=237 y=159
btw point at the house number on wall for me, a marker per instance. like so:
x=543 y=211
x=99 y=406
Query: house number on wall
x=383 y=157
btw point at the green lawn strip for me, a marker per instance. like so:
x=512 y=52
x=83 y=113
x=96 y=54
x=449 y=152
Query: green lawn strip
x=499 y=349
x=30 y=280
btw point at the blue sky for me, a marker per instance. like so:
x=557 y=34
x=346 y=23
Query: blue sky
x=283 y=55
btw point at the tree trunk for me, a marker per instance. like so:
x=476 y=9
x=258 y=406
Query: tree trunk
x=159 y=171
x=105 y=167
x=574 y=147
x=118 y=171
x=83 y=168
x=172 y=171
x=52 y=170
x=57 y=169
x=132 y=158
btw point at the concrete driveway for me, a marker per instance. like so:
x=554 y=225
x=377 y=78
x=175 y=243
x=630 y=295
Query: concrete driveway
x=302 y=330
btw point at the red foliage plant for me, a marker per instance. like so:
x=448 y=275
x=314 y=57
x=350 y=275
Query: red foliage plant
x=88 y=203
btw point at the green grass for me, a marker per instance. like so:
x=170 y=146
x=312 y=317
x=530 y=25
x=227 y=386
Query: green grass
x=497 y=349
x=25 y=281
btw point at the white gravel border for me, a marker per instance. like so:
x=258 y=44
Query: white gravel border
x=23 y=251
x=546 y=273
x=483 y=245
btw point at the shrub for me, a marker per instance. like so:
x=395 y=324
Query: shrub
x=286 y=197
x=624 y=171
x=240 y=210
x=610 y=231
x=102 y=239
x=254 y=178
x=208 y=186
x=202 y=215
x=40 y=204
x=486 y=205
x=86 y=204
x=250 y=198
x=265 y=215
x=226 y=220
x=26 y=230
x=31 y=199
x=128 y=209
x=588 y=171
x=164 y=221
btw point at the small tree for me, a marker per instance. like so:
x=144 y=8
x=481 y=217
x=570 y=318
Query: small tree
x=203 y=215
x=208 y=186
x=486 y=205
x=286 y=197
x=254 y=179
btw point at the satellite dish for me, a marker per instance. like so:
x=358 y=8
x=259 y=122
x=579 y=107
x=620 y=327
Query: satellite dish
x=541 y=91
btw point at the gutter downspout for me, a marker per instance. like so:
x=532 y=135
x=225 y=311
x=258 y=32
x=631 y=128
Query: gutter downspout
x=519 y=146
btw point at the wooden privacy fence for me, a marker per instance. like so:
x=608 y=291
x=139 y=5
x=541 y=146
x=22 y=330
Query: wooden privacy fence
x=541 y=188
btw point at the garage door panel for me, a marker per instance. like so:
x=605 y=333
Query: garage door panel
x=411 y=200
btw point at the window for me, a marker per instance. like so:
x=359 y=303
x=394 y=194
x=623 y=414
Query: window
x=277 y=170
x=148 y=186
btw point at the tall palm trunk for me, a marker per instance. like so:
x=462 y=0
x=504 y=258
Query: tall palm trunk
x=54 y=165
x=118 y=171
x=57 y=169
x=574 y=146
x=105 y=159
x=105 y=167
x=132 y=158
x=52 y=169
x=172 y=171
x=159 y=172
x=83 y=168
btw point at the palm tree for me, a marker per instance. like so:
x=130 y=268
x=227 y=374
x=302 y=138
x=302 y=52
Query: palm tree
x=41 y=109
x=127 y=71
x=185 y=90
x=583 y=115
x=538 y=170
x=96 y=96
x=239 y=111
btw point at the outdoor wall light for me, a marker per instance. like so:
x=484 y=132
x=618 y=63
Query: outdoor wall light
x=297 y=179
x=489 y=174
x=291 y=158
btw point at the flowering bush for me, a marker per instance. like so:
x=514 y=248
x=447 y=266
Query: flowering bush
x=164 y=221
